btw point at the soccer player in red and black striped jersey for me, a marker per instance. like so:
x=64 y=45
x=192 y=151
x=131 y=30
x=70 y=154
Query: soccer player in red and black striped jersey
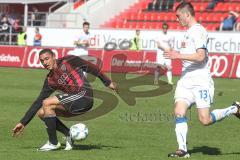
x=66 y=75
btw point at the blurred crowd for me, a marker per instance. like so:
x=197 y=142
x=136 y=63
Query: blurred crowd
x=9 y=28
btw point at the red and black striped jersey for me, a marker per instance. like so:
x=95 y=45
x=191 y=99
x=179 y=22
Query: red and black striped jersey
x=69 y=78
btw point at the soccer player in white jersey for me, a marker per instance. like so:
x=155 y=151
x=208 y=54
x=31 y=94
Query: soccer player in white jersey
x=82 y=42
x=164 y=44
x=195 y=85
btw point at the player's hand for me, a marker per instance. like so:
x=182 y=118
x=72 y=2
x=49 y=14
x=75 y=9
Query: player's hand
x=75 y=43
x=171 y=54
x=86 y=43
x=113 y=86
x=18 y=129
x=78 y=43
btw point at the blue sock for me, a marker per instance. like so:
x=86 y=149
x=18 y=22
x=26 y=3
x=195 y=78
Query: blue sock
x=219 y=114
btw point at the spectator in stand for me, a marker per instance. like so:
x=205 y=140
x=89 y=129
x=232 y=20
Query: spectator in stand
x=16 y=25
x=35 y=17
x=15 y=29
x=22 y=37
x=4 y=29
x=37 y=38
x=237 y=24
x=212 y=4
x=154 y=5
x=135 y=42
x=228 y=23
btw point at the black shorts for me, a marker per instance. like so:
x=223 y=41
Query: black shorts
x=76 y=103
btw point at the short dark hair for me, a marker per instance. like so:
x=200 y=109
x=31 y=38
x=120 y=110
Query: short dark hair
x=47 y=50
x=165 y=25
x=86 y=23
x=21 y=30
x=188 y=6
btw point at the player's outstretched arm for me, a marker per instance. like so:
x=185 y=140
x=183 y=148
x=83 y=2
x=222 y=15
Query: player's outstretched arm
x=163 y=46
x=81 y=42
x=199 y=56
x=18 y=129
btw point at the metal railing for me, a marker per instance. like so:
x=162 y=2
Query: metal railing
x=37 y=19
x=65 y=20
x=8 y=36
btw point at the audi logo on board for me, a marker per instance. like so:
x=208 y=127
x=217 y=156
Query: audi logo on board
x=221 y=65
x=218 y=65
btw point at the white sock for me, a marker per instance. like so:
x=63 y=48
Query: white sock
x=219 y=114
x=156 y=75
x=181 y=133
x=169 y=75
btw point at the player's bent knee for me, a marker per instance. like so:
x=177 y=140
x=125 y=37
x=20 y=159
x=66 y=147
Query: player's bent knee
x=179 y=113
x=40 y=114
x=48 y=110
x=205 y=121
x=46 y=103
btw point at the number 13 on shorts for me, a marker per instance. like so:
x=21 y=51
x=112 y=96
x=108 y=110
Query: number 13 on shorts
x=203 y=98
x=204 y=94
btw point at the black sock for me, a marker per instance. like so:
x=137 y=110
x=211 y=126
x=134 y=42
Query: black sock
x=51 y=129
x=62 y=128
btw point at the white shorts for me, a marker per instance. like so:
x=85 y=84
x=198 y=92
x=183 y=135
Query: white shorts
x=161 y=60
x=197 y=90
x=78 y=52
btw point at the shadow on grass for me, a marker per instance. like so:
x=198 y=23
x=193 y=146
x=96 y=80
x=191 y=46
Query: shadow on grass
x=206 y=150
x=231 y=153
x=212 y=151
x=92 y=146
x=81 y=147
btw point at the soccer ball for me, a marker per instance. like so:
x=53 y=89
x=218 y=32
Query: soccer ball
x=79 y=131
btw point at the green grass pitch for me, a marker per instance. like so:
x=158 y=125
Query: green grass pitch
x=125 y=133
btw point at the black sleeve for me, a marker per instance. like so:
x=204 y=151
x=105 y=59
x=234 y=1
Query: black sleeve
x=37 y=104
x=89 y=68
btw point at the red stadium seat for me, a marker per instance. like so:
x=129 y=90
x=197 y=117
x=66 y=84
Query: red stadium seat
x=157 y=25
x=219 y=6
x=146 y=25
x=138 y=17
